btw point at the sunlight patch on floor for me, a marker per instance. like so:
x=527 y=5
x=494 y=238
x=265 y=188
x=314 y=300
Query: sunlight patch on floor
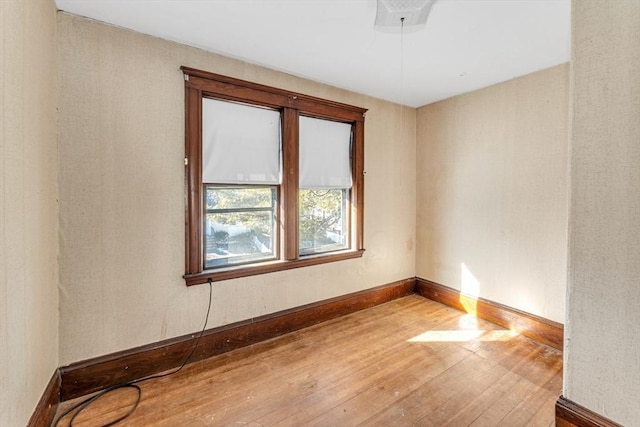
x=464 y=336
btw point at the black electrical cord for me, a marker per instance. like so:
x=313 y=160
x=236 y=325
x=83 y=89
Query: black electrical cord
x=81 y=406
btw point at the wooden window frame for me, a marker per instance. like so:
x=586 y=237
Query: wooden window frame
x=199 y=84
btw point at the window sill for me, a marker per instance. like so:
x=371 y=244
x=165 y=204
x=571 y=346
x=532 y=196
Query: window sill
x=218 y=275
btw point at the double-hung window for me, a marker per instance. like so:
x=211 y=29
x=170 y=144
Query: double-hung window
x=274 y=179
x=325 y=184
x=240 y=174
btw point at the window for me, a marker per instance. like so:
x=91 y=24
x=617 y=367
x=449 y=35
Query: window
x=325 y=181
x=274 y=179
x=240 y=172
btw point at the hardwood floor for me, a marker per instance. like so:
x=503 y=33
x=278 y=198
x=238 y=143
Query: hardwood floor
x=409 y=362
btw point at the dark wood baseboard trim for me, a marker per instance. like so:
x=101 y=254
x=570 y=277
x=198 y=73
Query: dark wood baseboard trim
x=48 y=403
x=91 y=375
x=98 y=373
x=570 y=414
x=538 y=328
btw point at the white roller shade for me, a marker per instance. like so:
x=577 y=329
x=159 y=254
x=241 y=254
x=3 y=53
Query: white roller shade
x=240 y=143
x=325 y=148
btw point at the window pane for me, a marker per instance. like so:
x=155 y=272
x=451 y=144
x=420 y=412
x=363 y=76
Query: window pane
x=239 y=225
x=323 y=220
x=239 y=197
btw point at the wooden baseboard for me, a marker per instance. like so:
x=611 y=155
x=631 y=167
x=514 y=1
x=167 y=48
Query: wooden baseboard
x=91 y=375
x=570 y=414
x=540 y=329
x=48 y=403
x=98 y=373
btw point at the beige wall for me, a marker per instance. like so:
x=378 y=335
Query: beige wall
x=491 y=200
x=121 y=129
x=492 y=192
x=28 y=210
x=602 y=350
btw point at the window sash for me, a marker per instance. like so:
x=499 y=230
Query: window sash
x=233 y=243
x=323 y=228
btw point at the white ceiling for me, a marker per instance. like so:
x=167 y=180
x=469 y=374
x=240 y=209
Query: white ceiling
x=466 y=44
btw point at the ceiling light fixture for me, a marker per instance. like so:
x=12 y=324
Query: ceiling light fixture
x=394 y=15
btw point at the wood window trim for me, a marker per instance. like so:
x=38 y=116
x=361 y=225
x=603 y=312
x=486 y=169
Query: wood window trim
x=199 y=84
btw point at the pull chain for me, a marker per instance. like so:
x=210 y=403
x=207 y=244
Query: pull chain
x=401 y=76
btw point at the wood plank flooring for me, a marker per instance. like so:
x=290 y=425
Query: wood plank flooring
x=409 y=362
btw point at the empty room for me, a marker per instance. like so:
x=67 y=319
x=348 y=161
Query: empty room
x=319 y=212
